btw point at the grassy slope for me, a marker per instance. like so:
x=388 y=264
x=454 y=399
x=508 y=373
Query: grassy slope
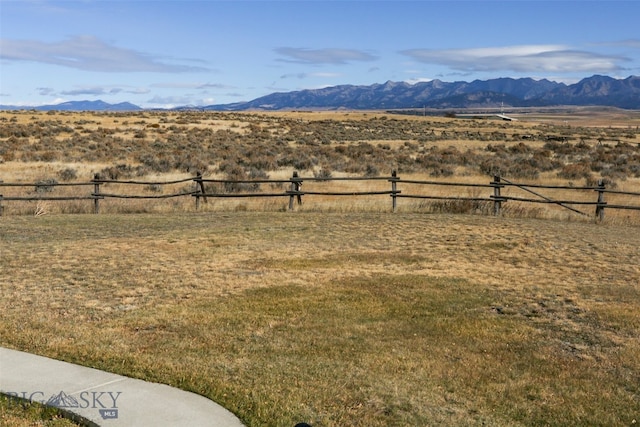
x=340 y=319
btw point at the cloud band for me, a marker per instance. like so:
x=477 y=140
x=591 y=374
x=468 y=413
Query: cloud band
x=525 y=58
x=87 y=53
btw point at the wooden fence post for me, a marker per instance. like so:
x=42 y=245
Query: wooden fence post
x=497 y=200
x=96 y=194
x=198 y=191
x=295 y=186
x=200 y=188
x=601 y=203
x=394 y=179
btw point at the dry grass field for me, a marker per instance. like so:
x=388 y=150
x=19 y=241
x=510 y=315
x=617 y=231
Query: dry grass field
x=340 y=318
x=338 y=313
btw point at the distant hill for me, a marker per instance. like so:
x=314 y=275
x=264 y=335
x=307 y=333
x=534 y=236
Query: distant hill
x=79 y=106
x=599 y=90
x=524 y=92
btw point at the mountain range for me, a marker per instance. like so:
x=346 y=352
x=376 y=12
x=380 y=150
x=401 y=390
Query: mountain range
x=524 y=92
x=78 y=106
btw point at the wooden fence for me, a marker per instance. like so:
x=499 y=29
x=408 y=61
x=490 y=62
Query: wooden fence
x=203 y=189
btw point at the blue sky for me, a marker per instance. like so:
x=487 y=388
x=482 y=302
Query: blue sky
x=163 y=53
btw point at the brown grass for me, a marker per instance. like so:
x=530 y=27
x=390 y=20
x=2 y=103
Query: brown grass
x=340 y=318
x=17 y=413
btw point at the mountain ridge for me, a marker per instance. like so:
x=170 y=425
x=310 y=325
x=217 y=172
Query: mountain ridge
x=596 y=90
x=523 y=92
x=85 y=105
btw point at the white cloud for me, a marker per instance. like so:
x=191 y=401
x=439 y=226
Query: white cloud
x=326 y=75
x=632 y=43
x=173 y=101
x=103 y=90
x=191 y=85
x=180 y=99
x=46 y=91
x=87 y=53
x=294 y=76
x=524 y=58
x=311 y=75
x=92 y=91
x=323 y=56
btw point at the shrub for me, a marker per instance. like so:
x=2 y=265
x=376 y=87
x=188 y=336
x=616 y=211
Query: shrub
x=237 y=173
x=121 y=171
x=491 y=167
x=458 y=206
x=162 y=164
x=256 y=173
x=322 y=173
x=515 y=168
x=522 y=170
x=46 y=185
x=371 y=171
x=520 y=148
x=190 y=163
x=441 y=172
x=67 y=174
x=543 y=162
x=608 y=182
x=575 y=171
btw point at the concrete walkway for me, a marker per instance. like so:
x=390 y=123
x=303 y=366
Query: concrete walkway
x=106 y=399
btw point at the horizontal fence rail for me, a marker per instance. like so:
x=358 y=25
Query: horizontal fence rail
x=207 y=188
